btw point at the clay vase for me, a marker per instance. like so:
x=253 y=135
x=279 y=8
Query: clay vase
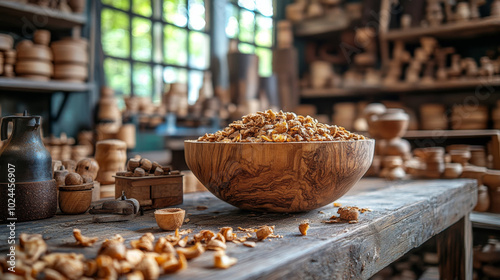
x=111 y=155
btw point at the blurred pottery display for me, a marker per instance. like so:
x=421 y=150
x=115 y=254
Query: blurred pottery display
x=41 y=37
x=6 y=42
x=111 y=155
x=321 y=73
x=483 y=199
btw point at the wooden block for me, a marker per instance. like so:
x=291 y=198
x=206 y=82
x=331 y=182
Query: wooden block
x=171 y=187
x=168 y=201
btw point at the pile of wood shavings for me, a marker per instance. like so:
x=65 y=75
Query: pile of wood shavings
x=273 y=126
x=348 y=214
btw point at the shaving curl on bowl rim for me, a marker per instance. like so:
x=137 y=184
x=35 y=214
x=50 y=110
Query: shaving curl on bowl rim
x=270 y=126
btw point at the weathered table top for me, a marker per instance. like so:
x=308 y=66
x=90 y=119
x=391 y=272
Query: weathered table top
x=404 y=216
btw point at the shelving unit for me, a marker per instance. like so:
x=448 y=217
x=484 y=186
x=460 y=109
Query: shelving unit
x=18 y=13
x=322 y=25
x=485 y=220
x=23 y=19
x=453 y=30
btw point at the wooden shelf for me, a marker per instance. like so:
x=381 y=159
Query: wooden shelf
x=451 y=133
x=485 y=220
x=454 y=30
x=20 y=84
x=322 y=25
x=15 y=13
x=452 y=85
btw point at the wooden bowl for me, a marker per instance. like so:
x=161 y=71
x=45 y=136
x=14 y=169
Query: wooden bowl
x=170 y=218
x=70 y=71
x=31 y=67
x=67 y=51
x=34 y=52
x=279 y=177
x=393 y=124
x=6 y=42
x=75 y=202
x=452 y=170
x=41 y=37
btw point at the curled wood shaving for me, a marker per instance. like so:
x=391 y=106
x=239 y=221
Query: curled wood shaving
x=264 y=232
x=201 y=207
x=250 y=244
x=337 y=204
x=82 y=240
x=303 y=228
x=221 y=260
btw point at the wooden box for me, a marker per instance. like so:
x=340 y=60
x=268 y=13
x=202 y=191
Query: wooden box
x=151 y=191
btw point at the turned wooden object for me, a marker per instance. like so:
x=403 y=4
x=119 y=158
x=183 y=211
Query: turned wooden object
x=279 y=177
x=75 y=199
x=88 y=166
x=170 y=218
x=111 y=156
x=126 y=133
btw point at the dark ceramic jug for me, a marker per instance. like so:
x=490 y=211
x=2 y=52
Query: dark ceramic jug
x=27 y=166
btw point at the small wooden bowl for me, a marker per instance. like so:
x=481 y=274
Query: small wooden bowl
x=6 y=42
x=452 y=170
x=70 y=71
x=75 y=201
x=31 y=67
x=279 y=177
x=393 y=124
x=67 y=51
x=170 y=218
x=41 y=37
x=34 y=52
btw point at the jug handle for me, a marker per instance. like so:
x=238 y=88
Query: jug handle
x=5 y=126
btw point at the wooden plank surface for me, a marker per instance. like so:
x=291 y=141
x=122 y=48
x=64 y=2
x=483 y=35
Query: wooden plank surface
x=27 y=85
x=405 y=215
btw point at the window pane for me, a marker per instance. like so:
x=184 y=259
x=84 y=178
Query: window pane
x=115 y=34
x=247 y=25
x=142 y=7
x=120 y=4
x=264 y=36
x=265 y=61
x=117 y=73
x=143 y=82
x=174 y=75
x=174 y=11
x=195 y=81
x=231 y=21
x=197 y=14
x=141 y=39
x=175 y=48
x=265 y=7
x=246 y=48
x=249 y=4
x=199 y=50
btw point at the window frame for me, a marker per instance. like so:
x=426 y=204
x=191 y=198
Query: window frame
x=256 y=13
x=155 y=18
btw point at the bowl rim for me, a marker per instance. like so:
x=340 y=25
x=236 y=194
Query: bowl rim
x=280 y=143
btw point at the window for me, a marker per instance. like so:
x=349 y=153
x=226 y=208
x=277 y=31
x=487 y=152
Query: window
x=250 y=22
x=147 y=43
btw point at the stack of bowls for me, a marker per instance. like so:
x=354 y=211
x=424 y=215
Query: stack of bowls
x=70 y=60
x=459 y=154
x=469 y=117
x=434 y=162
x=34 y=60
x=432 y=116
x=6 y=44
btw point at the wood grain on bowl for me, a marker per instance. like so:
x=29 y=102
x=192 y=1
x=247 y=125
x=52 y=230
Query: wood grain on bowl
x=279 y=177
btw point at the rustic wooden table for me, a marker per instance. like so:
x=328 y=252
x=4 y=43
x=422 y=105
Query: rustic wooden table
x=405 y=215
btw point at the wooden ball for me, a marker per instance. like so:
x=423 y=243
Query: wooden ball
x=158 y=171
x=88 y=166
x=133 y=163
x=139 y=172
x=146 y=164
x=72 y=179
x=87 y=179
x=155 y=166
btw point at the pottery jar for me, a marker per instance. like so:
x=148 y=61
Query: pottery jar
x=483 y=199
